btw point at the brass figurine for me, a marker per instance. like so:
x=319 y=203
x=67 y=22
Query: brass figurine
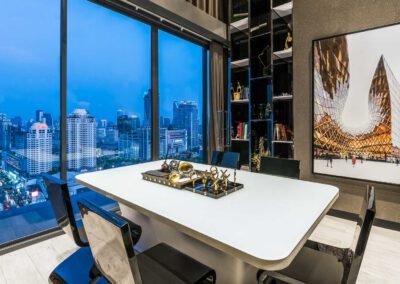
x=174 y=165
x=164 y=166
x=224 y=178
x=256 y=159
x=215 y=185
x=174 y=176
x=204 y=179
x=289 y=41
x=193 y=178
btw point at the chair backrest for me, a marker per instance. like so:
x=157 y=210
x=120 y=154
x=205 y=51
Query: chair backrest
x=280 y=167
x=111 y=244
x=230 y=160
x=61 y=202
x=216 y=158
x=366 y=219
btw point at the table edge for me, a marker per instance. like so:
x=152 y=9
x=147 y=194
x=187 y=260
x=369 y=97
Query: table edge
x=272 y=265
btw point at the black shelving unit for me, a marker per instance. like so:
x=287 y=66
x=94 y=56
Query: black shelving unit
x=282 y=68
x=240 y=74
x=262 y=65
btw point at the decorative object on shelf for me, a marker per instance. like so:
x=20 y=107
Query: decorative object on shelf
x=256 y=159
x=238 y=94
x=242 y=130
x=282 y=132
x=265 y=59
x=213 y=183
x=245 y=93
x=289 y=40
x=268 y=111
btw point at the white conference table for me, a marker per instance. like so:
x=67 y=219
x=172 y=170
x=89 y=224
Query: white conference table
x=262 y=226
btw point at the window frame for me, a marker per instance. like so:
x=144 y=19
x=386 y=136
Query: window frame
x=156 y=24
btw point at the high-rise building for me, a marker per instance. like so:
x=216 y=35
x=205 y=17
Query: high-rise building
x=120 y=112
x=147 y=109
x=144 y=141
x=185 y=116
x=48 y=119
x=39 y=115
x=128 y=145
x=81 y=140
x=175 y=140
x=103 y=123
x=39 y=149
x=5 y=132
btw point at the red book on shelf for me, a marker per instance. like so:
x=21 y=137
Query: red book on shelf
x=240 y=130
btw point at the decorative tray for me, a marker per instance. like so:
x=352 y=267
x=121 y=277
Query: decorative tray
x=213 y=183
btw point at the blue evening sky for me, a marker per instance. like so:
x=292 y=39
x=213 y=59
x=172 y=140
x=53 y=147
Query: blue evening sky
x=108 y=61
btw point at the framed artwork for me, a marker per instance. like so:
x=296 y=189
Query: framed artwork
x=356 y=105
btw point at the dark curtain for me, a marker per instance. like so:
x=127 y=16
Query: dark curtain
x=217 y=98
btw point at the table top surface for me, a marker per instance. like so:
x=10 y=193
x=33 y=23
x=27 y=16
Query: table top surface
x=265 y=223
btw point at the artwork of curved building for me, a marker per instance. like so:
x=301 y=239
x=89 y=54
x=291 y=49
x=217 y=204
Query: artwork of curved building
x=380 y=137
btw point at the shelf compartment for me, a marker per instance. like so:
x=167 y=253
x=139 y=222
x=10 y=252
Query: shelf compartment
x=242 y=63
x=282 y=142
x=283 y=10
x=239 y=25
x=282 y=98
x=283 y=54
x=246 y=101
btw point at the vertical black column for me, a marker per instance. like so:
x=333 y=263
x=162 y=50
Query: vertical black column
x=63 y=91
x=155 y=96
x=205 y=107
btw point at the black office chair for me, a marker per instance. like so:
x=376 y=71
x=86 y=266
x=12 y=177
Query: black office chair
x=79 y=267
x=216 y=158
x=230 y=160
x=322 y=263
x=109 y=238
x=280 y=167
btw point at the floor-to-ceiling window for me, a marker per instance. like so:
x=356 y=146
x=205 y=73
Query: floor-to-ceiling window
x=181 y=95
x=108 y=89
x=29 y=113
x=108 y=106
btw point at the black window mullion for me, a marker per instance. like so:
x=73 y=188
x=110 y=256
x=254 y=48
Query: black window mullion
x=155 y=95
x=63 y=91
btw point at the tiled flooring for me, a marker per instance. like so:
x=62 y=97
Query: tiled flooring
x=381 y=262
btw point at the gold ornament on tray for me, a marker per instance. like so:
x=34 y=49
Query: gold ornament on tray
x=185 y=168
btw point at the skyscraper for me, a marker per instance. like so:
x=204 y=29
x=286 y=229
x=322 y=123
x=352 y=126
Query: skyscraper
x=120 y=112
x=147 y=109
x=5 y=132
x=39 y=149
x=39 y=115
x=128 y=144
x=81 y=140
x=48 y=119
x=185 y=116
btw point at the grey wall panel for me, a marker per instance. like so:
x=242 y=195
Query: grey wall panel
x=314 y=19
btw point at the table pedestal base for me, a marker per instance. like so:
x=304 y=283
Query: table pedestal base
x=229 y=269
